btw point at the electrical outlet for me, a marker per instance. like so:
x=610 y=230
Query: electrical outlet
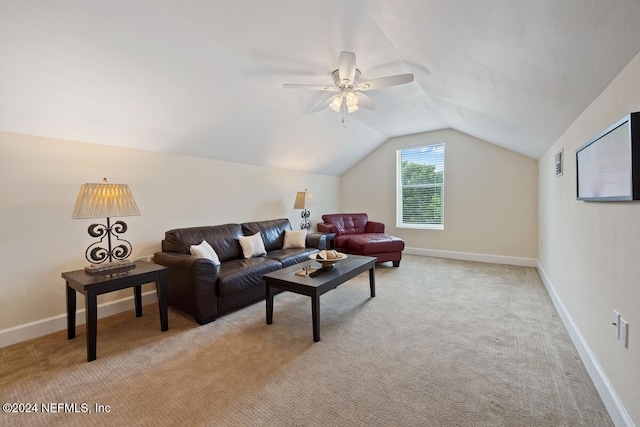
x=624 y=333
x=615 y=324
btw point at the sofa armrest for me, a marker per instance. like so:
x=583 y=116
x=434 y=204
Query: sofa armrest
x=191 y=283
x=327 y=227
x=374 y=227
x=186 y=265
x=316 y=240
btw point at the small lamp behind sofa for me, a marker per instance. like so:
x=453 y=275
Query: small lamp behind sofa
x=305 y=199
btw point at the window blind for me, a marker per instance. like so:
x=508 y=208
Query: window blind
x=420 y=187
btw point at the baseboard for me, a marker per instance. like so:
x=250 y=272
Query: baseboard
x=614 y=406
x=467 y=256
x=53 y=324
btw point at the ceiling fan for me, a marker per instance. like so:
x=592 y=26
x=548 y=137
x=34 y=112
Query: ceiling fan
x=350 y=97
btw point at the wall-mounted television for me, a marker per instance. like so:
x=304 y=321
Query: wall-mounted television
x=608 y=166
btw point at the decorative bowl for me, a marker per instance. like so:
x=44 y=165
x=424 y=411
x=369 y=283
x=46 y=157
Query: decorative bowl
x=328 y=263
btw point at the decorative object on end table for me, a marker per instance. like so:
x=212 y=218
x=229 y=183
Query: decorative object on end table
x=106 y=200
x=305 y=199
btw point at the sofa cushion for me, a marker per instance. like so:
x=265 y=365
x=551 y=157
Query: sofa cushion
x=291 y=256
x=272 y=231
x=222 y=238
x=349 y=223
x=204 y=250
x=252 y=246
x=373 y=243
x=295 y=239
x=240 y=274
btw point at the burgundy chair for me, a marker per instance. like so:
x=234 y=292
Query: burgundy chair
x=355 y=234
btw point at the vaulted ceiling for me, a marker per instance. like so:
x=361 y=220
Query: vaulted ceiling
x=204 y=77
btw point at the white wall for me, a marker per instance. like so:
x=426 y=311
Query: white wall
x=590 y=252
x=490 y=201
x=39 y=182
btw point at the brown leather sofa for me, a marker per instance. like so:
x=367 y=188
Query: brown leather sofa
x=198 y=287
x=355 y=234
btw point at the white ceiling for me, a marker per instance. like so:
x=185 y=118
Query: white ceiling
x=204 y=77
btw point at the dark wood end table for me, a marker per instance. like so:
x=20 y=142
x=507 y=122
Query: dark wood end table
x=92 y=285
x=287 y=280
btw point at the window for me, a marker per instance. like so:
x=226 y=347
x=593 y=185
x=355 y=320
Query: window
x=420 y=187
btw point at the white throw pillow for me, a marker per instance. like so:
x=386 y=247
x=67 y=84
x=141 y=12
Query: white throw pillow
x=294 y=239
x=204 y=250
x=252 y=246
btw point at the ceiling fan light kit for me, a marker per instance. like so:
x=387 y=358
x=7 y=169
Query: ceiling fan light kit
x=350 y=96
x=336 y=103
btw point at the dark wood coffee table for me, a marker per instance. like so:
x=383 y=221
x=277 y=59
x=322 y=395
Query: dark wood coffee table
x=287 y=280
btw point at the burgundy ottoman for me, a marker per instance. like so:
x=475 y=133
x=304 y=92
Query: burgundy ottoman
x=355 y=234
x=383 y=246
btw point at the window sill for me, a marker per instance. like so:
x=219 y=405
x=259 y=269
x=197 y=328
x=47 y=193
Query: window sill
x=421 y=226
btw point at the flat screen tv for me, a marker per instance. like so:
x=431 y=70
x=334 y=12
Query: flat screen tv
x=608 y=166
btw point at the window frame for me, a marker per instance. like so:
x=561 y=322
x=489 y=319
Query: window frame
x=400 y=187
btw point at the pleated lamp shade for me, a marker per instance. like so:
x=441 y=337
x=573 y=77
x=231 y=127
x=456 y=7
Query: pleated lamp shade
x=104 y=201
x=305 y=200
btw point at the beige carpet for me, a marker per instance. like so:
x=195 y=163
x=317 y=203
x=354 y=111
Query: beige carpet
x=444 y=343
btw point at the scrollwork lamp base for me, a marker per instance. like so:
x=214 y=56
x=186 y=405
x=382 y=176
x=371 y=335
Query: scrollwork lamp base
x=305 y=223
x=110 y=258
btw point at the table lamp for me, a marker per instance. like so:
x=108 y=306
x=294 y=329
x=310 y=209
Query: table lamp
x=305 y=199
x=106 y=200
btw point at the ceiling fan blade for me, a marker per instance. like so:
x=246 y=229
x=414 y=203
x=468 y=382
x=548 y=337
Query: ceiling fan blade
x=366 y=102
x=312 y=87
x=399 y=79
x=325 y=104
x=347 y=66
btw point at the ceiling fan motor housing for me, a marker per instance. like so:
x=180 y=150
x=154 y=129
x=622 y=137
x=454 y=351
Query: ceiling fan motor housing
x=344 y=84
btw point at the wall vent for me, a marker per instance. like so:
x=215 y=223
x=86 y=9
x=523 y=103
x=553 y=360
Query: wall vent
x=558 y=160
